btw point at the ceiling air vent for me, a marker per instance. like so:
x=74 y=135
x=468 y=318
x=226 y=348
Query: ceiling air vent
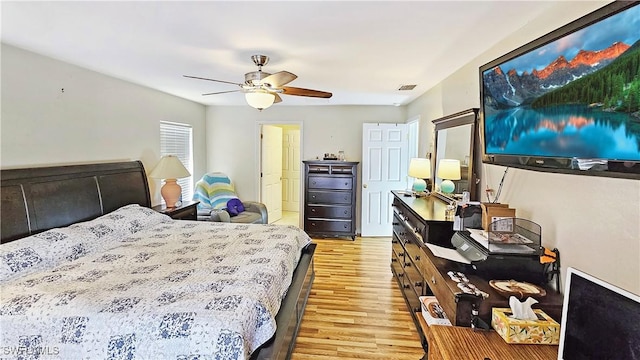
x=406 y=87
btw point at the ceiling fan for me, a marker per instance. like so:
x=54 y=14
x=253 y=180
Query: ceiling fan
x=262 y=89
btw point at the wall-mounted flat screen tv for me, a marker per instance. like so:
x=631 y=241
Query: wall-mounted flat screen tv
x=570 y=100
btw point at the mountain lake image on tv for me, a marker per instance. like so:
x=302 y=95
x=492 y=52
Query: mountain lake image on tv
x=575 y=97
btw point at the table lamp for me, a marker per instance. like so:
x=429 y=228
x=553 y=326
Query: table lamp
x=448 y=169
x=170 y=169
x=420 y=169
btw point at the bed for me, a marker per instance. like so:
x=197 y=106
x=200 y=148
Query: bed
x=90 y=271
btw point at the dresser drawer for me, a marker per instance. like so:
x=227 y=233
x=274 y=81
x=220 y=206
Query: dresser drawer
x=397 y=248
x=438 y=285
x=413 y=253
x=328 y=211
x=329 y=197
x=413 y=226
x=321 y=225
x=414 y=280
x=326 y=182
x=396 y=263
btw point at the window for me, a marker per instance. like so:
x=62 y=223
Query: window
x=176 y=139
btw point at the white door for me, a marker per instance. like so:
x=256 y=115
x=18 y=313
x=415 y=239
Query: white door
x=271 y=171
x=384 y=168
x=291 y=170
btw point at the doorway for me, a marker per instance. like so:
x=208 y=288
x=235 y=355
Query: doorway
x=386 y=151
x=280 y=193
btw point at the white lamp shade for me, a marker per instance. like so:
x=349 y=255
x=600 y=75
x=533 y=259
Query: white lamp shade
x=169 y=167
x=420 y=168
x=449 y=169
x=259 y=99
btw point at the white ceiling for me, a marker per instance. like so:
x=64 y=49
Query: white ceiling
x=361 y=51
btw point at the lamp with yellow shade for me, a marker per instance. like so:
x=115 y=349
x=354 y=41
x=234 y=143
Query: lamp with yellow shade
x=170 y=169
x=448 y=169
x=420 y=169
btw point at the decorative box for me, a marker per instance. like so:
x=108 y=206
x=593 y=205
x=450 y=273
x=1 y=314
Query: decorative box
x=432 y=311
x=494 y=211
x=545 y=330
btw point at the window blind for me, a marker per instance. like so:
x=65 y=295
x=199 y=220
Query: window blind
x=177 y=139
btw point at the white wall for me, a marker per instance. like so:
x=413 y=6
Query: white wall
x=96 y=118
x=593 y=221
x=232 y=137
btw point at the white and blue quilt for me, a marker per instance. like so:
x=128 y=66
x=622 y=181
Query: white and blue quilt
x=135 y=284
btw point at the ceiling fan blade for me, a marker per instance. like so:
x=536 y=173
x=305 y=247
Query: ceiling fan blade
x=220 y=92
x=220 y=81
x=279 y=79
x=288 y=90
x=277 y=99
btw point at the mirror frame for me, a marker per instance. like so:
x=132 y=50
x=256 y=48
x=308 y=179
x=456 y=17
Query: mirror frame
x=461 y=118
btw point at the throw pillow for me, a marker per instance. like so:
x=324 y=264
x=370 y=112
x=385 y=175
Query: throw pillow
x=234 y=207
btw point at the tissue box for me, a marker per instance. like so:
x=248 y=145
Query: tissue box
x=545 y=330
x=432 y=312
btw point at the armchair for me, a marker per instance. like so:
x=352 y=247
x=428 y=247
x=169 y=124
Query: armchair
x=213 y=192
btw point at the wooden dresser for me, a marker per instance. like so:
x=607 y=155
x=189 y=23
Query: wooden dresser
x=330 y=198
x=418 y=221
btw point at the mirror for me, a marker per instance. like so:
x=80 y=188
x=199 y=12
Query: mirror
x=456 y=138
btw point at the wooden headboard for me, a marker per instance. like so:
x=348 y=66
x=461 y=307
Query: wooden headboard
x=41 y=198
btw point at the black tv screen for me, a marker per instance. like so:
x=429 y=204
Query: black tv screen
x=600 y=321
x=569 y=100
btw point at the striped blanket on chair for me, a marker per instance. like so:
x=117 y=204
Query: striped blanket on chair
x=213 y=191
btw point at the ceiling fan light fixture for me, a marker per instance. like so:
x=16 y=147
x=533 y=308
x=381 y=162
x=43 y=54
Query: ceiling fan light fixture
x=259 y=99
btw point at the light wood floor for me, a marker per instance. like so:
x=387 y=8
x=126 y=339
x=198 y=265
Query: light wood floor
x=356 y=310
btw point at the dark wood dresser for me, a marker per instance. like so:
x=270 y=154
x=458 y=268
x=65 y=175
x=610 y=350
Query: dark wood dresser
x=330 y=197
x=418 y=221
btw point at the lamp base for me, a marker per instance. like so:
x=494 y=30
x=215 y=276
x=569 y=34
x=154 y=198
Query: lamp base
x=447 y=186
x=170 y=192
x=419 y=185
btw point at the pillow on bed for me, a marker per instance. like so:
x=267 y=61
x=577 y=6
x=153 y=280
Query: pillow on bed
x=124 y=221
x=55 y=246
x=44 y=250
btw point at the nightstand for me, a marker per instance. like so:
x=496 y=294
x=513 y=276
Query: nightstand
x=187 y=211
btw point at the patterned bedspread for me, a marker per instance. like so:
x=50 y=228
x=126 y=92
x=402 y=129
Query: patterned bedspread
x=135 y=284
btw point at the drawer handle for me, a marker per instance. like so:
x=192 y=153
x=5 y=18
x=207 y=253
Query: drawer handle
x=406 y=286
x=345 y=212
x=346 y=198
x=394 y=260
x=417 y=257
x=407 y=264
x=418 y=284
x=346 y=184
x=417 y=309
x=313 y=196
x=401 y=275
x=401 y=254
x=433 y=280
x=313 y=224
x=346 y=226
x=313 y=210
x=394 y=241
x=395 y=223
